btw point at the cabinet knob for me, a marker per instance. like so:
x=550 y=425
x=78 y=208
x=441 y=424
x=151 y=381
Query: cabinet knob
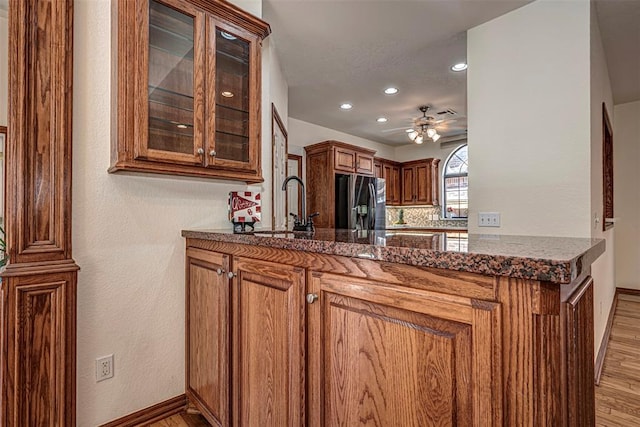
x=220 y=271
x=212 y=153
x=311 y=298
x=200 y=151
x=231 y=275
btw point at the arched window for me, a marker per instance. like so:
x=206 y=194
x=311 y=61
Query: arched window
x=456 y=184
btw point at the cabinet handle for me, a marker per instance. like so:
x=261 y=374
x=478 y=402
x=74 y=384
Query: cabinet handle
x=200 y=151
x=231 y=275
x=311 y=298
x=212 y=153
x=220 y=271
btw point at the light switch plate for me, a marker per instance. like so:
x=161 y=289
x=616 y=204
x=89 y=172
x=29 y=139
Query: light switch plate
x=489 y=219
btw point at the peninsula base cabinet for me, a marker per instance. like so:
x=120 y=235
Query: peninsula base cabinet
x=244 y=340
x=281 y=337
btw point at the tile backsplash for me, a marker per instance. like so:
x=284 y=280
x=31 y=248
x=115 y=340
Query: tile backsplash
x=424 y=216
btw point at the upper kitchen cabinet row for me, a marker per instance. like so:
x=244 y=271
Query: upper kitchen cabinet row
x=187 y=98
x=410 y=183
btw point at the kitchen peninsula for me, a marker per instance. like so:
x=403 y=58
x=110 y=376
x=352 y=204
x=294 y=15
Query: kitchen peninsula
x=396 y=327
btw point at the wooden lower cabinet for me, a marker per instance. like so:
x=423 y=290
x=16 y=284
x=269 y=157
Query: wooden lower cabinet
x=416 y=362
x=245 y=340
x=268 y=343
x=207 y=347
x=578 y=316
x=289 y=338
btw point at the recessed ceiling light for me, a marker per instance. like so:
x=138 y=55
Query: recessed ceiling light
x=227 y=35
x=227 y=94
x=181 y=126
x=381 y=119
x=346 y=106
x=391 y=90
x=459 y=67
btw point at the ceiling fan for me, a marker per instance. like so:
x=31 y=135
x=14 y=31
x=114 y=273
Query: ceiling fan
x=428 y=126
x=425 y=127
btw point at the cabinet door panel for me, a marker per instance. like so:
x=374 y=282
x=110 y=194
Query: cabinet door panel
x=378 y=169
x=230 y=104
x=207 y=310
x=364 y=164
x=345 y=160
x=170 y=95
x=396 y=189
x=423 y=185
x=269 y=343
x=578 y=318
x=408 y=177
x=396 y=357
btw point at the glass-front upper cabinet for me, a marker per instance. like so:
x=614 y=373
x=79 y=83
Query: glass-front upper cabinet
x=188 y=89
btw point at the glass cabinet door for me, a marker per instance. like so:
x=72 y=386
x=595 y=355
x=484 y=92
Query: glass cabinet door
x=174 y=86
x=232 y=106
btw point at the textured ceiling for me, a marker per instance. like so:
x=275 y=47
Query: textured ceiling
x=335 y=51
x=350 y=50
x=619 y=22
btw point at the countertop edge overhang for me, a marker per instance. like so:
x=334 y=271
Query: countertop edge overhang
x=572 y=255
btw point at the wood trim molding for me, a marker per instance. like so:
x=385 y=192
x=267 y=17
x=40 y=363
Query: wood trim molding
x=151 y=414
x=604 y=344
x=38 y=294
x=602 y=351
x=627 y=291
x=607 y=170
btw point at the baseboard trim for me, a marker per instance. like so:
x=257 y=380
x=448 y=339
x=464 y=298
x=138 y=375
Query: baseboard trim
x=602 y=352
x=628 y=291
x=151 y=414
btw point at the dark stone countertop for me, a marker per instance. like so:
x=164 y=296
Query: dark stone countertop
x=553 y=259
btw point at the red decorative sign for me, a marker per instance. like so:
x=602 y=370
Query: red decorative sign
x=244 y=206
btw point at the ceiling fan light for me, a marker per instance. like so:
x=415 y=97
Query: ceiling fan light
x=431 y=132
x=412 y=135
x=419 y=139
x=435 y=137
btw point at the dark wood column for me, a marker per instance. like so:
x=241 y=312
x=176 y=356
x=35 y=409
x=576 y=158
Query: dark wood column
x=39 y=283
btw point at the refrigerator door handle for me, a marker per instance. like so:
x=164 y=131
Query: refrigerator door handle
x=373 y=206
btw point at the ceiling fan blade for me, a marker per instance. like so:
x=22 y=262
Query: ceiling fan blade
x=444 y=121
x=395 y=129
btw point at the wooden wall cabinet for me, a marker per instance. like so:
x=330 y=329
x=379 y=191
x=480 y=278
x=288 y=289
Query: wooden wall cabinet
x=391 y=172
x=420 y=182
x=188 y=89
x=324 y=161
x=352 y=159
x=312 y=334
x=245 y=339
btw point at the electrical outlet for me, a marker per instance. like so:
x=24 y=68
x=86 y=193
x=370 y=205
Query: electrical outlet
x=104 y=368
x=489 y=219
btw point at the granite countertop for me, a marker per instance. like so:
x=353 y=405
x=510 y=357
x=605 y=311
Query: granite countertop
x=423 y=227
x=553 y=259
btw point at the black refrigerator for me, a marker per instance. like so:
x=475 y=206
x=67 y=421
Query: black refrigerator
x=360 y=202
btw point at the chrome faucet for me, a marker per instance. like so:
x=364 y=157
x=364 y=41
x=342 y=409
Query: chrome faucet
x=304 y=223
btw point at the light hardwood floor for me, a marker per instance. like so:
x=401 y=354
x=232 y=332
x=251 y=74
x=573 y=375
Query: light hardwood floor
x=618 y=395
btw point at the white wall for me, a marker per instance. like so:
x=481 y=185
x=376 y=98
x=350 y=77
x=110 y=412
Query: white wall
x=528 y=109
x=302 y=134
x=603 y=269
x=626 y=157
x=536 y=80
x=4 y=38
x=126 y=239
x=406 y=153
